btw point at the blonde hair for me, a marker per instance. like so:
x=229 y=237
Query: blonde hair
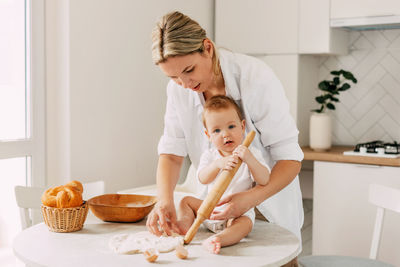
x=220 y=102
x=176 y=34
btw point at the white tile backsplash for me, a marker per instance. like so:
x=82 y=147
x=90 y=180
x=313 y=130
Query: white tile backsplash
x=369 y=110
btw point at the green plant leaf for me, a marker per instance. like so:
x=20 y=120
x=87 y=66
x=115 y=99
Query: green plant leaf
x=344 y=87
x=334 y=99
x=348 y=75
x=320 y=99
x=332 y=88
x=323 y=85
x=330 y=106
x=336 y=80
x=335 y=72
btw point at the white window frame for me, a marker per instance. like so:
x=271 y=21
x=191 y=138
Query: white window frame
x=35 y=146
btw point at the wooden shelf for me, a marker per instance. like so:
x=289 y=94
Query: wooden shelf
x=335 y=154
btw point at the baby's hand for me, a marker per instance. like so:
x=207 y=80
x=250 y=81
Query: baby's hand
x=227 y=163
x=242 y=152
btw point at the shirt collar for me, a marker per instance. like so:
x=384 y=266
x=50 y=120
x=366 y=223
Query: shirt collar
x=231 y=86
x=199 y=99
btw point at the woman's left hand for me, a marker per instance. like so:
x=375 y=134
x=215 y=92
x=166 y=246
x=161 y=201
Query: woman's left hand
x=235 y=206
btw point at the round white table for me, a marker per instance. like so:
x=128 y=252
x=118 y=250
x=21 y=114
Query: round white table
x=267 y=245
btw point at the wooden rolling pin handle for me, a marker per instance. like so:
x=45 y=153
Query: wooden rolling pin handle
x=249 y=138
x=213 y=197
x=193 y=229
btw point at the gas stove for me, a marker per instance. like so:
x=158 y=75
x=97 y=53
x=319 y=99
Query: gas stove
x=376 y=149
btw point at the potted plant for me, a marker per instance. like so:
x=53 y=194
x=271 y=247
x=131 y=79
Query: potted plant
x=320 y=121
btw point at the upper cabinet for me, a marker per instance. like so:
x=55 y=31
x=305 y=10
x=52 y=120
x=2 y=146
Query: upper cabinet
x=364 y=8
x=277 y=27
x=315 y=34
x=257 y=26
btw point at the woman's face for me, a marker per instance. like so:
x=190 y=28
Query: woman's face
x=193 y=71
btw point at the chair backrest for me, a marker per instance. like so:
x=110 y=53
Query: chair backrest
x=92 y=189
x=384 y=198
x=29 y=202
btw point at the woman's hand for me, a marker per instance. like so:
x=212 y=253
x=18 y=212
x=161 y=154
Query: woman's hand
x=235 y=206
x=163 y=215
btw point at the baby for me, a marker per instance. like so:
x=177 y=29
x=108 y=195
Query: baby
x=225 y=128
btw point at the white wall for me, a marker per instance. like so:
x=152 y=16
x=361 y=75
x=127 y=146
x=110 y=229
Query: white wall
x=112 y=96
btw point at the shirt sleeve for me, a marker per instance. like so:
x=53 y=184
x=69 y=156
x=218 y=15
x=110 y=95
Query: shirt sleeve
x=269 y=111
x=173 y=139
x=259 y=157
x=205 y=159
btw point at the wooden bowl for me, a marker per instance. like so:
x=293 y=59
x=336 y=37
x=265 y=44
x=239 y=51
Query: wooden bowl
x=121 y=207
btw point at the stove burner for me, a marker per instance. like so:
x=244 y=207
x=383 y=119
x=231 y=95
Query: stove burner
x=393 y=148
x=378 y=147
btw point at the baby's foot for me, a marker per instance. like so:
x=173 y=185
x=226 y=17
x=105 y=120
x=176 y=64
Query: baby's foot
x=212 y=244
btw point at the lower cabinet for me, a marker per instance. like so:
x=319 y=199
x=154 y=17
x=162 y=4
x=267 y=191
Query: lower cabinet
x=343 y=218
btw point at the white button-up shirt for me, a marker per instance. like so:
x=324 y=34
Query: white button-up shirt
x=257 y=90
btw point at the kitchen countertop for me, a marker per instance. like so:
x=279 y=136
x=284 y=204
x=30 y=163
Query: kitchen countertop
x=335 y=154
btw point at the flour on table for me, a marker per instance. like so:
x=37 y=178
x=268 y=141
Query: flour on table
x=141 y=241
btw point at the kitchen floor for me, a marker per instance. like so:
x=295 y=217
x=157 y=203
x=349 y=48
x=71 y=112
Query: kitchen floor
x=306 y=231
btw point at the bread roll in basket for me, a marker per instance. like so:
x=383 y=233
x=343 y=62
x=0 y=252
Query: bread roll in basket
x=63 y=208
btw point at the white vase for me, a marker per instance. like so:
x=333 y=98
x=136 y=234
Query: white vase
x=320 y=131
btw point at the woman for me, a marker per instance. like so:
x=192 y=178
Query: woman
x=199 y=71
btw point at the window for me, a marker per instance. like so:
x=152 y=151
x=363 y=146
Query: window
x=22 y=105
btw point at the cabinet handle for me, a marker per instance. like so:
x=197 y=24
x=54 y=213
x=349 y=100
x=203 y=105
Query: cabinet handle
x=380 y=15
x=368 y=166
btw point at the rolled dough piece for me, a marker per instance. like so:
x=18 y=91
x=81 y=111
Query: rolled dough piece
x=142 y=241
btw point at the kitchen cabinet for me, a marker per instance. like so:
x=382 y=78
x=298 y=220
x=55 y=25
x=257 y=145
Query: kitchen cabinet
x=315 y=34
x=297 y=75
x=363 y=8
x=257 y=26
x=277 y=27
x=343 y=219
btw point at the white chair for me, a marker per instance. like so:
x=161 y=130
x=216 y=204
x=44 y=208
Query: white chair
x=384 y=198
x=92 y=189
x=29 y=201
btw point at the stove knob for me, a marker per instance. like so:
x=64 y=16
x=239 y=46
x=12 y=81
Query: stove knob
x=380 y=150
x=363 y=150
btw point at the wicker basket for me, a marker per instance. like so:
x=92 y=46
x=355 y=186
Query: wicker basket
x=65 y=220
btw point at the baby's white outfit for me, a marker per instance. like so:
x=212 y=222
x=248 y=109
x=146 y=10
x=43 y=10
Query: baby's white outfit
x=242 y=181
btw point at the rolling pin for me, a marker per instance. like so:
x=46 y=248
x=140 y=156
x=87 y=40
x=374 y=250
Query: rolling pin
x=213 y=197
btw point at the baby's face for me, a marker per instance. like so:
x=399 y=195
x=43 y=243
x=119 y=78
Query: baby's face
x=224 y=129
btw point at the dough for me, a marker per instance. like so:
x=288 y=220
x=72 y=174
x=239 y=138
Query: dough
x=142 y=241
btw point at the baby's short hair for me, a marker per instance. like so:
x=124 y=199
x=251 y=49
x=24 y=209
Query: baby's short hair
x=219 y=102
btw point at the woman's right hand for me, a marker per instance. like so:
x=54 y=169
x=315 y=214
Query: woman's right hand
x=163 y=215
